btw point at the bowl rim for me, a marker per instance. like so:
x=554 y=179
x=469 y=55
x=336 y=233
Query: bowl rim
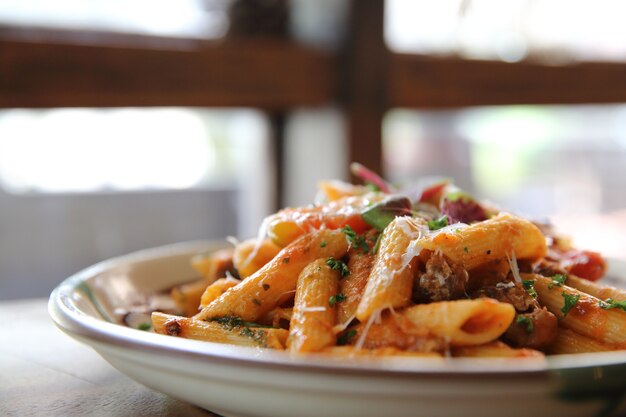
x=68 y=317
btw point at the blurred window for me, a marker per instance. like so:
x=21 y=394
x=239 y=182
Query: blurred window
x=180 y=18
x=540 y=160
x=81 y=185
x=553 y=31
x=115 y=150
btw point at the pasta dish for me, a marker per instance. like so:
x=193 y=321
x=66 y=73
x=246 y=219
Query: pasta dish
x=377 y=270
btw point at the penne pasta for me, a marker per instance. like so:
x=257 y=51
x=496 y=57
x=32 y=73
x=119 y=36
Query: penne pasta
x=351 y=351
x=599 y=291
x=581 y=312
x=499 y=237
x=215 y=290
x=213 y=265
x=352 y=286
x=371 y=270
x=391 y=279
x=187 y=296
x=311 y=326
x=463 y=322
x=261 y=292
x=252 y=255
x=228 y=331
x=568 y=341
x=496 y=349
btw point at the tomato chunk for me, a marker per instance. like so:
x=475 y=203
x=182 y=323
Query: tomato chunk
x=585 y=264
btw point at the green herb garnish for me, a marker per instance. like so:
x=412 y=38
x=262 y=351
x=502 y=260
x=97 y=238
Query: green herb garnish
x=323 y=244
x=523 y=320
x=334 y=299
x=355 y=240
x=345 y=338
x=377 y=244
x=611 y=303
x=439 y=223
x=144 y=326
x=256 y=335
x=381 y=214
x=570 y=302
x=558 y=280
x=232 y=322
x=371 y=186
x=338 y=266
x=529 y=286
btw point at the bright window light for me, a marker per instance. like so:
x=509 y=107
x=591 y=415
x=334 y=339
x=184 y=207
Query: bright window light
x=553 y=31
x=85 y=150
x=186 y=18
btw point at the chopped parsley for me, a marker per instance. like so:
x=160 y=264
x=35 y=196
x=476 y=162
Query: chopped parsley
x=525 y=321
x=256 y=335
x=247 y=332
x=570 y=302
x=338 y=266
x=557 y=281
x=355 y=240
x=323 y=244
x=611 y=303
x=232 y=322
x=144 y=326
x=439 y=223
x=334 y=299
x=345 y=338
x=529 y=286
x=377 y=244
x=465 y=249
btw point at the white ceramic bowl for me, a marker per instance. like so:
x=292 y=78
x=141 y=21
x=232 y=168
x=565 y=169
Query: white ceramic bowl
x=237 y=381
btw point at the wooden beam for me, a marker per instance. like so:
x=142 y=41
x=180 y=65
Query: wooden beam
x=268 y=74
x=363 y=88
x=426 y=82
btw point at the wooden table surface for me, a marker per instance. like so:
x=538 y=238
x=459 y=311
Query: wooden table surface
x=44 y=372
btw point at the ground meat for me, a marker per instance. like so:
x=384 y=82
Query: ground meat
x=534 y=327
x=442 y=280
x=509 y=292
x=549 y=268
x=535 y=330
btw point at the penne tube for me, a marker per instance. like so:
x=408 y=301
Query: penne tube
x=351 y=351
x=580 y=312
x=352 y=286
x=495 y=349
x=278 y=317
x=252 y=255
x=568 y=341
x=599 y=291
x=290 y=223
x=391 y=279
x=229 y=331
x=213 y=265
x=311 y=326
x=495 y=238
x=463 y=322
x=213 y=291
x=187 y=296
x=261 y=292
